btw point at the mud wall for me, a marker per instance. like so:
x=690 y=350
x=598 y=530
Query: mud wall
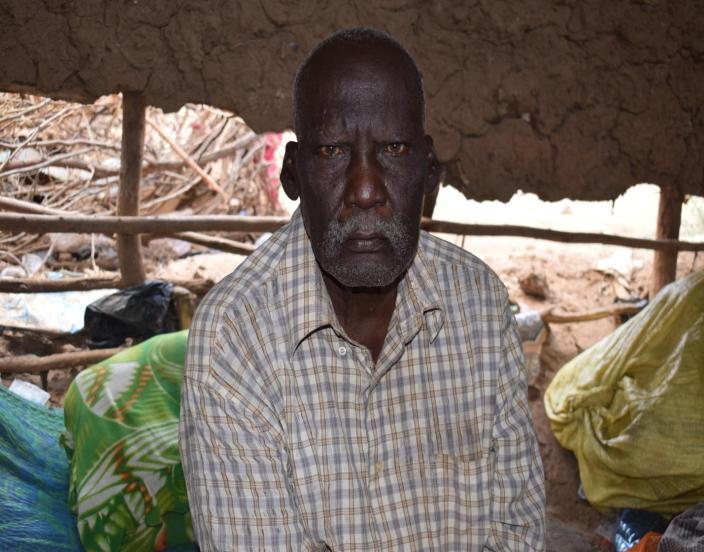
x=564 y=98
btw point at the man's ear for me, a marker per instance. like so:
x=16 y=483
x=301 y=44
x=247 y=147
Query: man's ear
x=434 y=169
x=289 y=175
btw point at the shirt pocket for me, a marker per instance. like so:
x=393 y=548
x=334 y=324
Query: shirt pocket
x=456 y=439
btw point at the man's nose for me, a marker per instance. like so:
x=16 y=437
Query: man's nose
x=366 y=188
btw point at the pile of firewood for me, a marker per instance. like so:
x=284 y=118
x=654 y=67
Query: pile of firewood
x=66 y=156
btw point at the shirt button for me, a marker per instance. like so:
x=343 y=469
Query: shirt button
x=342 y=350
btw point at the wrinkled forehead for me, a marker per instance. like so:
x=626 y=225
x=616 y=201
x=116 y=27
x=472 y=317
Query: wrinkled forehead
x=345 y=89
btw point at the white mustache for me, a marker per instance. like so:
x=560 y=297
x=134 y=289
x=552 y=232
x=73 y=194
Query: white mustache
x=389 y=229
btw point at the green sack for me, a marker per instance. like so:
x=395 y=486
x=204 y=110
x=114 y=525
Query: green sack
x=126 y=482
x=631 y=407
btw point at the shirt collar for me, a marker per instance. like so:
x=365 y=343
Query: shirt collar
x=309 y=308
x=418 y=299
x=305 y=300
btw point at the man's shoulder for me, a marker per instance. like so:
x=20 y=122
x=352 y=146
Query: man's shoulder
x=443 y=256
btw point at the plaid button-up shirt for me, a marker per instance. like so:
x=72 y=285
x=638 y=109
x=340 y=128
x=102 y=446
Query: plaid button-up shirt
x=293 y=439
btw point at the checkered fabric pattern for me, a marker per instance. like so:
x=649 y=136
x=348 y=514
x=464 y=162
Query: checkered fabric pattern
x=293 y=439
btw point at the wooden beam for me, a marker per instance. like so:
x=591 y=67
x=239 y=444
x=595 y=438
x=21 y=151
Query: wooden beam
x=478 y=230
x=668 y=228
x=162 y=225
x=169 y=225
x=129 y=248
x=33 y=364
x=34 y=285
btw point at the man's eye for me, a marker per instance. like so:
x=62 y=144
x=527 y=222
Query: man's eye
x=396 y=149
x=329 y=151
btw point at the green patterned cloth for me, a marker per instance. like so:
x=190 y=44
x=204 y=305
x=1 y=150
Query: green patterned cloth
x=126 y=482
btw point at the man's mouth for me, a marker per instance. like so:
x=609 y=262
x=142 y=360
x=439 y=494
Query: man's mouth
x=366 y=243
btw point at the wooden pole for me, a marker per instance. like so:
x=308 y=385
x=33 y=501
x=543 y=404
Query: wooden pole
x=162 y=225
x=35 y=285
x=668 y=228
x=33 y=364
x=168 y=225
x=129 y=248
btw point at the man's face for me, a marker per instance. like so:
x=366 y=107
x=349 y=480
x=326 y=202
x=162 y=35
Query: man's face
x=361 y=167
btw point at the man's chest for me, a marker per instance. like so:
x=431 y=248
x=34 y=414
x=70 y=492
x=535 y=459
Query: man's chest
x=391 y=442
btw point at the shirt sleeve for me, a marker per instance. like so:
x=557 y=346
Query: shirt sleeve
x=518 y=505
x=233 y=452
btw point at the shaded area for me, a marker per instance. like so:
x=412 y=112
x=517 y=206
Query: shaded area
x=561 y=98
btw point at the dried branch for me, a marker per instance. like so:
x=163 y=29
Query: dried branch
x=550 y=315
x=189 y=161
x=34 y=166
x=13 y=115
x=42 y=126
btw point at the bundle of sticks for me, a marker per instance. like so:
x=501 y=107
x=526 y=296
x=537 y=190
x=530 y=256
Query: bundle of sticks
x=66 y=156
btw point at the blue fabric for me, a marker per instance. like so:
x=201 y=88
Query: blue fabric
x=34 y=512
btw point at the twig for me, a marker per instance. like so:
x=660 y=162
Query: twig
x=550 y=316
x=162 y=199
x=76 y=142
x=98 y=172
x=148 y=168
x=36 y=131
x=46 y=257
x=55 y=160
x=18 y=262
x=25 y=111
x=19 y=206
x=189 y=161
x=205 y=144
x=216 y=242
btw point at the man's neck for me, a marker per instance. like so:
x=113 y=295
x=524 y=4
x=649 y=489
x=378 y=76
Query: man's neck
x=363 y=313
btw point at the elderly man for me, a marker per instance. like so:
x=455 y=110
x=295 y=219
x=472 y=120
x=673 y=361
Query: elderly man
x=357 y=384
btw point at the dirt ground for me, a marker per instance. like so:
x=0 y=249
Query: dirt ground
x=574 y=284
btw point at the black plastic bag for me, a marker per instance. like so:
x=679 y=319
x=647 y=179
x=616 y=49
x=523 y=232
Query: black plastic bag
x=138 y=312
x=633 y=524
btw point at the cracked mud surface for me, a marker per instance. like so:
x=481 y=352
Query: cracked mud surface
x=562 y=98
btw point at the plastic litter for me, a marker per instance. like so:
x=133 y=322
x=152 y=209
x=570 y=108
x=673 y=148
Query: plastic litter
x=29 y=391
x=138 y=312
x=60 y=312
x=633 y=525
x=631 y=409
x=533 y=333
